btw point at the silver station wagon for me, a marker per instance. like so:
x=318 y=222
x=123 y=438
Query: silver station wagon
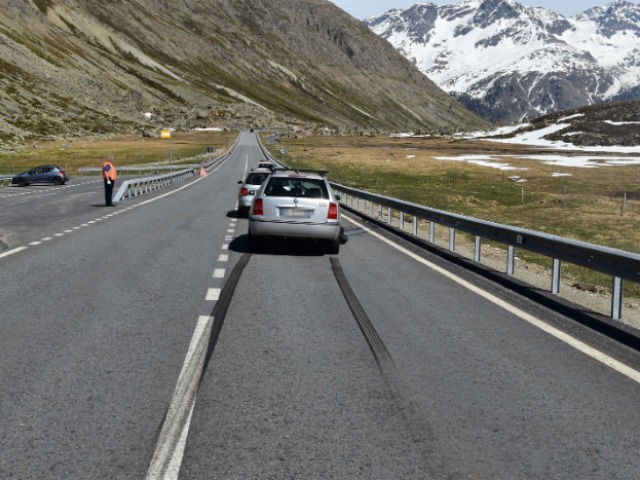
x=295 y=204
x=248 y=189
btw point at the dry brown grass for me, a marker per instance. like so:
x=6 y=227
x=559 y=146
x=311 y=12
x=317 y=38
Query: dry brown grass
x=126 y=150
x=584 y=206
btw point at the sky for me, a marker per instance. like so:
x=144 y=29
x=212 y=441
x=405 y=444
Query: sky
x=362 y=9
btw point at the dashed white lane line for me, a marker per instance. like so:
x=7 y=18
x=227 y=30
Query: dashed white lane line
x=213 y=294
x=560 y=335
x=223 y=258
x=110 y=215
x=219 y=273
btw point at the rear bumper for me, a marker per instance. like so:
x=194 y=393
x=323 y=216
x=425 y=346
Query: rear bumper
x=322 y=231
x=245 y=201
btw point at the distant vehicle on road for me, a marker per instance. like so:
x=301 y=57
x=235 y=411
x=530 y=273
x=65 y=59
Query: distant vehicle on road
x=41 y=174
x=295 y=204
x=268 y=165
x=248 y=189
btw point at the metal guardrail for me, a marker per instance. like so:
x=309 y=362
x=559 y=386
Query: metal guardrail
x=621 y=265
x=140 y=186
x=5 y=181
x=142 y=168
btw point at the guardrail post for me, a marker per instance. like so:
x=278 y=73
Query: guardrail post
x=619 y=264
x=555 y=277
x=511 y=260
x=616 y=299
x=477 y=250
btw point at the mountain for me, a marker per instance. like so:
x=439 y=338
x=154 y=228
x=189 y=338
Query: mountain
x=74 y=68
x=509 y=62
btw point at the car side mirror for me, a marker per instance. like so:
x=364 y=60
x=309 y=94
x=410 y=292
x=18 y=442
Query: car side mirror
x=239 y=181
x=338 y=197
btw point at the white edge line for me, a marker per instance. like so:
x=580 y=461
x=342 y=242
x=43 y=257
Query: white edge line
x=560 y=335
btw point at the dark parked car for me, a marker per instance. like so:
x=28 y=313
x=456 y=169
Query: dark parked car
x=41 y=174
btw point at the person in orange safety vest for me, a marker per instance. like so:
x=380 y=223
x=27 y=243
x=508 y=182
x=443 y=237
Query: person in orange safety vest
x=109 y=175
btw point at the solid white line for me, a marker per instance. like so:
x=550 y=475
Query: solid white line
x=173 y=470
x=560 y=335
x=168 y=451
x=11 y=252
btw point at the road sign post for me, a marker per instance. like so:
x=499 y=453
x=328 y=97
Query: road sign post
x=166 y=133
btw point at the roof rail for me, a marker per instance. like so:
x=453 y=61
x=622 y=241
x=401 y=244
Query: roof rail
x=301 y=170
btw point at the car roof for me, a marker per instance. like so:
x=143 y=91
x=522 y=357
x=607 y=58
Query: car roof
x=296 y=173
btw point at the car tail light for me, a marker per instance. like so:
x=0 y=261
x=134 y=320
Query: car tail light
x=333 y=212
x=257 y=207
x=244 y=191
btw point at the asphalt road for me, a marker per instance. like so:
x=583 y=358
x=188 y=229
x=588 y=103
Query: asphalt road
x=377 y=363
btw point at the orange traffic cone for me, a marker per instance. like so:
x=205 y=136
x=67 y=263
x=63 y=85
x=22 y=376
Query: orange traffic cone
x=202 y=172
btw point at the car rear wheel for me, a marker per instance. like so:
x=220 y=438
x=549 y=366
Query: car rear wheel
x=243 y=212
x=333 y=246
x=57 y=181
x=253 y=242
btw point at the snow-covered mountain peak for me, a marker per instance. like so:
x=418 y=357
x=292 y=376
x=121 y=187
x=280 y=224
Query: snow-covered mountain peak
x=507 y=61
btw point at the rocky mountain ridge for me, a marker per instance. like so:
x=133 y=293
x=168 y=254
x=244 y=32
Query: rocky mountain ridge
x=71 y=68
x=509 y=62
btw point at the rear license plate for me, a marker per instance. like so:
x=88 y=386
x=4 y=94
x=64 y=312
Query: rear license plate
x=295 y=213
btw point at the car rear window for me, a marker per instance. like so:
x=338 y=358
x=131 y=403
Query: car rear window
x=297 y=187
x=256 y=178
